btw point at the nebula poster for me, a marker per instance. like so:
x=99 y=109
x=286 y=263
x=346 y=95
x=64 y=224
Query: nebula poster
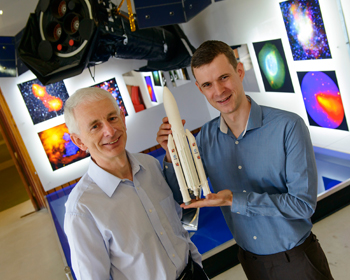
x=305 y=29
x=273 y=66
x=150 y=89
x=322 y=99
x=112 y=86
x=43 y=102
x=59 y=148
x=156 y=78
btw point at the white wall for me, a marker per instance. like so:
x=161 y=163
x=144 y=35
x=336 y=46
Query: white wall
x=142 y=127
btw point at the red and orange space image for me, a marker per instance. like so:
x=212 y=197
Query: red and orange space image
x=43 y=102
x=150 y=89
x=322 y=99
x=59 y=148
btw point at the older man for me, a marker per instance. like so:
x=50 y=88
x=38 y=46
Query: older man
x=121 y=219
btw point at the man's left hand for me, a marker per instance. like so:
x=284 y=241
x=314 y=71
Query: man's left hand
x=222 y=198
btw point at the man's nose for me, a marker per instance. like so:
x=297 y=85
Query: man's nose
x=109 y=130
x=219 y=88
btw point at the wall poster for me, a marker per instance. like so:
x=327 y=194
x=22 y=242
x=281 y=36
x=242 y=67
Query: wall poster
x=273 y=66
x=112 y=86
x=59 y=148
x=322 y=99
x=43 y=102
x=305 y=29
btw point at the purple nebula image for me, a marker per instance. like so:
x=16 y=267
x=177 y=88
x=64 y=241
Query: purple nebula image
x=305 y=29
x=112 y=87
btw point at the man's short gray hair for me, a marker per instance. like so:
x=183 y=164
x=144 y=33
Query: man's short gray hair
x=83 y=95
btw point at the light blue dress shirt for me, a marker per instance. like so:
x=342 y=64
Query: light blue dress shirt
x=271 y=170
x=122 y=229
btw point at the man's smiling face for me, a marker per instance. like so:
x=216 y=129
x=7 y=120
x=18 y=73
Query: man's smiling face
x=102 y=131
x=221 y=84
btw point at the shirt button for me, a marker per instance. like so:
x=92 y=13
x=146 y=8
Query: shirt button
x=238 y=213
x=236 y=142
x=173 y=255
x=161 y=233
x=244 y=191
x=166 y=167
x=150 y=210
x=239 y=167
x=255 y=237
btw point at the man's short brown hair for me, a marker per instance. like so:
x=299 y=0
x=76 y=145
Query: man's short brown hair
x=209 y=50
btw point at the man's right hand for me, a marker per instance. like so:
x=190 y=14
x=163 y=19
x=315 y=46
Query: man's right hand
x=163 y=134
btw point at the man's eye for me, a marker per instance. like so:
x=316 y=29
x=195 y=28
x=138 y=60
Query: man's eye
x=224 y=77
x=206 y=85
x=94 y=126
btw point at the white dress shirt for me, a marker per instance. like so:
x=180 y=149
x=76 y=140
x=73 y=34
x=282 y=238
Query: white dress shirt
x=122 y=229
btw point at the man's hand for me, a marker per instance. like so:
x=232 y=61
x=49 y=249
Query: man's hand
x=163 y=134
x=222 y=198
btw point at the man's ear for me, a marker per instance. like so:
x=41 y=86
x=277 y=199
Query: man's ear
x=122 y=115
x=240 y=70
x=78 y=142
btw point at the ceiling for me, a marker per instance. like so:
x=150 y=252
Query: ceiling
x=16 y=13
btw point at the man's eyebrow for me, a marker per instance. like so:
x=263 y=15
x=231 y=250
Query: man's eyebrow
x=112 y=113
x=222 y=75
x=96 y=121
x=93 y=122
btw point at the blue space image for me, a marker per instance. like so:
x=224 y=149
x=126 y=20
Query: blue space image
x=305 y=29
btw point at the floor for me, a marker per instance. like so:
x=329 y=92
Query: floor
x=30 y=250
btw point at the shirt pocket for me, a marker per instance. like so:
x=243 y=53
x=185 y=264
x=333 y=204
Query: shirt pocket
x=169 y=207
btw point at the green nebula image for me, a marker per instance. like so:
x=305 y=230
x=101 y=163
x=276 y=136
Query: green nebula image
x=272 y=65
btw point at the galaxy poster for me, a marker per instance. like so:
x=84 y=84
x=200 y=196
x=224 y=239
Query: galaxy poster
x=150 y=89
x=59 y=148
x=112 y=86
x=322 y=99
x=43 y=102
x=305 y=29
x=273 y=66
x=156 y=78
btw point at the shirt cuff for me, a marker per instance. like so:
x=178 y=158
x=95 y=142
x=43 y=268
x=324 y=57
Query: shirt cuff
x=167 y=166
x=240 y=203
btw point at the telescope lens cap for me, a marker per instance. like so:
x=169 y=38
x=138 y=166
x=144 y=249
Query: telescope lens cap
x=45 y=50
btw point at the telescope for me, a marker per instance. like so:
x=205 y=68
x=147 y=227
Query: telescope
x=63 y=37
x=184 y=153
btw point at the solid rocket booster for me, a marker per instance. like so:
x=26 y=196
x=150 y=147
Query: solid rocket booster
x=187 y=162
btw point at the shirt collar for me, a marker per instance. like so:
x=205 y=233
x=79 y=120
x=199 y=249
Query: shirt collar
x=254 y=119
x=107 y=181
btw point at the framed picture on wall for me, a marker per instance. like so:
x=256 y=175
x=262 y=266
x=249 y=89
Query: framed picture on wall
x=305 y=29
x=59 y=148
x=273 y=66
x=112 y=86
x=156 y=78
x=150 y=89
x=322 y=99
x=43 y=102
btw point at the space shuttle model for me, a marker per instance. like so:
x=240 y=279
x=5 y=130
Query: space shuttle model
x=184 y=153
